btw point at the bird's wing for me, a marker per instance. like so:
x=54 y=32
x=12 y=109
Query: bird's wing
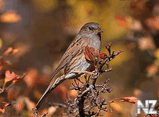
x=76 y=47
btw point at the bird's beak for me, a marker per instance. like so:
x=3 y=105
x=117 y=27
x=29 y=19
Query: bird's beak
x=99 y=31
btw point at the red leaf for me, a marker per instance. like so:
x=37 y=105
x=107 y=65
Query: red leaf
x=9 y=76
x=128 y=99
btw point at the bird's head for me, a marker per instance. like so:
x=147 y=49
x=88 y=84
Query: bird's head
x=91 y=29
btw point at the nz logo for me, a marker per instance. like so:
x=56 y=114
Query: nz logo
x=146 y=108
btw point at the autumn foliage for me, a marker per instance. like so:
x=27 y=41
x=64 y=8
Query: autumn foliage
x=34 y=35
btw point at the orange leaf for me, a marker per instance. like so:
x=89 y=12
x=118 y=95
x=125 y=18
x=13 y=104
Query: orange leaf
x=73 y=93
x=8 y=51
x=10 y=17
x=15 y=51
x=116 y=107
x=3 y=105
x=90 y=53
x=121 y=21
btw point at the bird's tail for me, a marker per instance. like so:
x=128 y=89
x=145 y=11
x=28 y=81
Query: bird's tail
x=53 y=84
x=47 y=91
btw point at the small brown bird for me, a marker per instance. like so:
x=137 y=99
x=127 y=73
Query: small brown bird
x=74 y=58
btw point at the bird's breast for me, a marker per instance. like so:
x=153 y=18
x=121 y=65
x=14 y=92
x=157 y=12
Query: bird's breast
x=95 y=42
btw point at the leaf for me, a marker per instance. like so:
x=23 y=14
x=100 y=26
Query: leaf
x=9 y=76
x=151 y=70
x=31 y=77
x=153 y=22
x=116 y=107
x=8 y=51
x=121 y=21
x=128 y=99
x=10 y=17
x=146 y=43
x=73 y=93
x=15 y=51
x=90 y=53
x=3 y=105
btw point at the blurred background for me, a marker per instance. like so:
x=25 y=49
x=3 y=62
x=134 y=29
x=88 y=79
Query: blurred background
x=34 y=34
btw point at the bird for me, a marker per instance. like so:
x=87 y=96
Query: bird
x=74 y=59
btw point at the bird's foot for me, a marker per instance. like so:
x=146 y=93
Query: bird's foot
x=35 y=112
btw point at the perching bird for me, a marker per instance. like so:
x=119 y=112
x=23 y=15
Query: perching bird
x=74 y=58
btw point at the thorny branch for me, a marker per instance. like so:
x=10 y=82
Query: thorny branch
x=88 y=103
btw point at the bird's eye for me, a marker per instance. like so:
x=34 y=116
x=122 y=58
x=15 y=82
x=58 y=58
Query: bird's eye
x=91 y=28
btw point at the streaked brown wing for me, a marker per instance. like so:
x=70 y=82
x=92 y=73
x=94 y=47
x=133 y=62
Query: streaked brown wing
x=73 y=50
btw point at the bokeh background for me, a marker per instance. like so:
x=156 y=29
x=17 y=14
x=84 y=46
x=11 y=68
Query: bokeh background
x=35 y=33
